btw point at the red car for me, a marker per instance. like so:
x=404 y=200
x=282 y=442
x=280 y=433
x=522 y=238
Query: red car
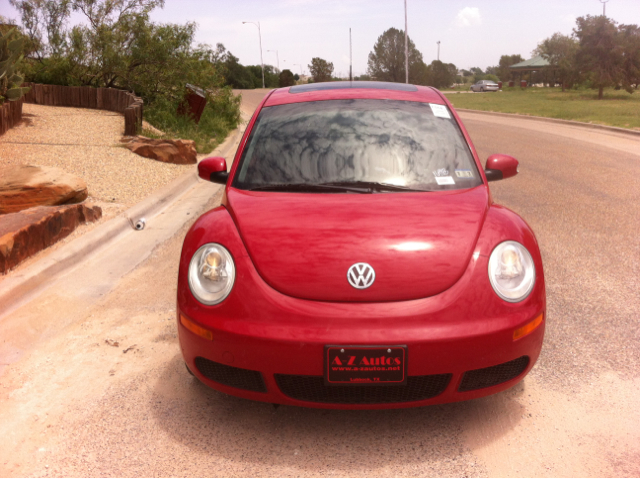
x=357 y=260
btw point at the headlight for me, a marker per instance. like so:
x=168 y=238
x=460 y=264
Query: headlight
x=511 y=271
x=211 y=273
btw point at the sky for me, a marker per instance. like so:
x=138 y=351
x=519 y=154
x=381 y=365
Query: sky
x=471 y=33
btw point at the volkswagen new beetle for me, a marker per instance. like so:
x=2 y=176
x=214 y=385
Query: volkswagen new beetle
x=357 y=259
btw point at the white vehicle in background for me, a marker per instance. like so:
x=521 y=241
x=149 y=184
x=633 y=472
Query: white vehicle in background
x=485 y=85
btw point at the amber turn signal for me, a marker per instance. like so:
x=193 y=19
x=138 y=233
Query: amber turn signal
x=195 y=329
x=528 y=328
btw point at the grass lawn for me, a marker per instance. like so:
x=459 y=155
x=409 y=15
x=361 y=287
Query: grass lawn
x=617 y=108
x=463 y=87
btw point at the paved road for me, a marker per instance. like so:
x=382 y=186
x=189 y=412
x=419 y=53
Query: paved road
x=77 y=406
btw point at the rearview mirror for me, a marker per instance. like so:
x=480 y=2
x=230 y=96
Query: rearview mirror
x=213 y=169
x=499 y=167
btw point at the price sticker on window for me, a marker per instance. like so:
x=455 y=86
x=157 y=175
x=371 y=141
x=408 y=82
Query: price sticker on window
x=440 y=111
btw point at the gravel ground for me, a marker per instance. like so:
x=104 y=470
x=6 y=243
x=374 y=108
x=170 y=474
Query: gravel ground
x=86 y=143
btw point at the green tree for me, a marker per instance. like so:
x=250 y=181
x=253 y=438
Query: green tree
x=114 y=43
x=112 y=47
x=492 y=70
x=286 y=78
x=255 y=71
x=236 y=75
x=503 y=72
x=44 y=23
x=387 y=61
x=321 y=70
x=271 y=77
x=44 y=26
x=561 y=51
x=420 y=74
x=600 y=54
x=441 y=75
x=630 y=40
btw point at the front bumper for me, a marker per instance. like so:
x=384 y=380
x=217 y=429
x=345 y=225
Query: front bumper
x=230 y=365
x=270 y=347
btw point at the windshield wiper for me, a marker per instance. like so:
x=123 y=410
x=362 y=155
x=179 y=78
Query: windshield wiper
x=374 y=186
x=337 y=187
x=301 y=187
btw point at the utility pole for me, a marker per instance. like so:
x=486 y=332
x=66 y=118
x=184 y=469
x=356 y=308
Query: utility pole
x=604 y=7
x=350 y=58
x=438 y=42
x=260 y=37
x=406 y=45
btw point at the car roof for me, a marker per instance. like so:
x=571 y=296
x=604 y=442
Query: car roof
x=347 y=90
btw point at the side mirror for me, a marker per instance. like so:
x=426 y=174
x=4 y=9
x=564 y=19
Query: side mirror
x=213 y=169
x=499 y=167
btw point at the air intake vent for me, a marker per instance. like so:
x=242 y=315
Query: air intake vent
x=230 y=376
x=494 y=375
x=312 y=388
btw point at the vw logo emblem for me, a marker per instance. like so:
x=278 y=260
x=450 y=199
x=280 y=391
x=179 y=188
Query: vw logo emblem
x=361 y=275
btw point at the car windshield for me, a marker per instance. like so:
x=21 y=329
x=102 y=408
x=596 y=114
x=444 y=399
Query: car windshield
x=356 y=146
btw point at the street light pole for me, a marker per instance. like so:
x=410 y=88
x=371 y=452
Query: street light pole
x=406 y=46
x=438 y=42
x=350 y=58
x=604 y=7
x=277 y=58
x=260 y=38
x=298 y=65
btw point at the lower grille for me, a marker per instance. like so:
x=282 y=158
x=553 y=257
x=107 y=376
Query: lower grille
x=494 y=375
x=313 y=388
x=230 y=376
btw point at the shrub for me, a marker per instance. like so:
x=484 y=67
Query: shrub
x=220 y=115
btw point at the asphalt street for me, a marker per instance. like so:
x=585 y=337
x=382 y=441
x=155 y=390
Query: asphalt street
x=103 y=390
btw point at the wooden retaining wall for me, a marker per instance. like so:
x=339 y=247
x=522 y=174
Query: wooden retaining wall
x=109 y=99
x=10 y=114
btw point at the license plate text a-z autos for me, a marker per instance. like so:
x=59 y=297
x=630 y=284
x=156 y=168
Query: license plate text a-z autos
x=362 y=365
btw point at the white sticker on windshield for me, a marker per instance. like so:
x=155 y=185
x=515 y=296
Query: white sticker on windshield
x=464 y=173
x=440 y=111
x=445 y=180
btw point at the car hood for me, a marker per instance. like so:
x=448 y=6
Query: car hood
x=303 y=244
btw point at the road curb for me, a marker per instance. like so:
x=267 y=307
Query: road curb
x=21 y=287
x=614 y=129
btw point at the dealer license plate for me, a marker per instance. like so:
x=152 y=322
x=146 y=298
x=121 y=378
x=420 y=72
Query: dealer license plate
x=363 y=365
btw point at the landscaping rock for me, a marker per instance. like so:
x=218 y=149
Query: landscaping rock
x=23 y=187
x=179 y=152
x=26 y=233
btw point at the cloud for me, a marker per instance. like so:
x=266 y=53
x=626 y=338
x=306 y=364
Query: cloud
x=468 y=16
